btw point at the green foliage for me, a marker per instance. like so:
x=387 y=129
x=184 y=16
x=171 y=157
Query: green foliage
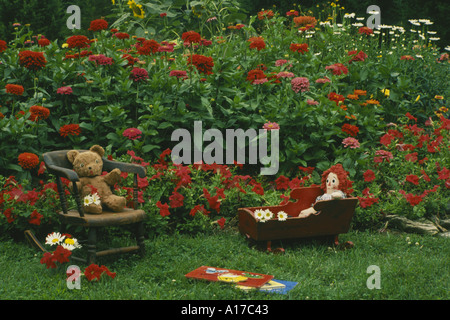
x=411 y=266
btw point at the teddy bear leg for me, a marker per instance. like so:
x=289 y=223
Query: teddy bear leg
x=93 y=208
x=115 y=203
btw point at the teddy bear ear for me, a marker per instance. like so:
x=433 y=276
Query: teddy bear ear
x=71 y=155
x=98 y=149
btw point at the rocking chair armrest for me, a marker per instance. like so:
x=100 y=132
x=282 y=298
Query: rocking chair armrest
x=64 y=172
x=108 y=165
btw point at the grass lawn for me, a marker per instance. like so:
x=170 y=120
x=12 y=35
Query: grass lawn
x=415 y=268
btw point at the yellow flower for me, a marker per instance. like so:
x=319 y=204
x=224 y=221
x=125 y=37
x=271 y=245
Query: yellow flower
x=418 y=97
x=443 y=109
x=386 y=92
x=65 y=45
x=438 y=97
x=137 y=9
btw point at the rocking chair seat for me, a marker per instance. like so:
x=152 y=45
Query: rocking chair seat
x=106 y=219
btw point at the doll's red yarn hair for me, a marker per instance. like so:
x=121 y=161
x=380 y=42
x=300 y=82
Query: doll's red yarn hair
x=344 y=182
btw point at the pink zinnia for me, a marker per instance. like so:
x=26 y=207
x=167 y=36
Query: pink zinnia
x=323 y=80
x=351 y=142
x=300 y=84
x=178 y=74
x=271 y=126
x=132 y=133
x=64 y=90
x=285 y=74
x=312 y=102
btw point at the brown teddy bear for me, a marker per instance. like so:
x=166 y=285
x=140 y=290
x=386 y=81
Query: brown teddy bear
x=88 y=165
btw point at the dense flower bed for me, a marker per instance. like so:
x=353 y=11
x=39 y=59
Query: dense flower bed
x=336 y=90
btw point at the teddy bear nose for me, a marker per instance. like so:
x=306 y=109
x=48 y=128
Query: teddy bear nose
x=90 y=168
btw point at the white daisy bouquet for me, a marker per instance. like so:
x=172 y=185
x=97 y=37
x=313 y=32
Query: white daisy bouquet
x=264 y=215
x=91 y=198
x=64 y=240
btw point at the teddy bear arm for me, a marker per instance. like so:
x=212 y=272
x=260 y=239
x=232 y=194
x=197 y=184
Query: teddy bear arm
x=113 y=177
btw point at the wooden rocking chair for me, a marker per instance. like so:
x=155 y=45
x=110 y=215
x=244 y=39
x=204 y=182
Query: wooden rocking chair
x=57 y=163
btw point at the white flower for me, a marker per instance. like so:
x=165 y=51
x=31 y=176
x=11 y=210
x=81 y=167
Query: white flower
x=282 y=216
x=54 y=238
x=268 y=214
x=96 y=199
x=71 y=244
x=259 y=214
x=349 y=15
x=88 y=200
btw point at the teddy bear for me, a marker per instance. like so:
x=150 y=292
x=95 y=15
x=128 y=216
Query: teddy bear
x=88 y=165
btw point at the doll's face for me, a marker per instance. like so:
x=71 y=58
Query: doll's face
x=332 y=183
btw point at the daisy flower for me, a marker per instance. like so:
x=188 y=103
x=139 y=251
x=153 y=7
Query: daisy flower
x=88 y=200
x=259 y=214
x=95 y=198
x=282 y=216
x=70 y=244
x=54 y=238
x=268 y=214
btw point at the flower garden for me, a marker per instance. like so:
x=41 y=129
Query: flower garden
x=337 y=91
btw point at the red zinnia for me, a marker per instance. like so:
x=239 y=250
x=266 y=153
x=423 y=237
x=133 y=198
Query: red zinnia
x=407 y=57
x=43 y=42
x=337 y=68
x=32 y=60
x=360 y=56
x=39 y=112
x=148 y=47
x=28 y=160
x=299 y=47
x=78 y=42
x=257 y=43
x=305 y=21
x=255 y=74
x=265 y=14
x=16 y=89
x=121 y=35
x=98 y=24
x=69 y=129
x=365 y=30
x=333 y=96
x=202 y=63
x=3 y=45
x=350 y=129
x=190 y=37
x=139 y=74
